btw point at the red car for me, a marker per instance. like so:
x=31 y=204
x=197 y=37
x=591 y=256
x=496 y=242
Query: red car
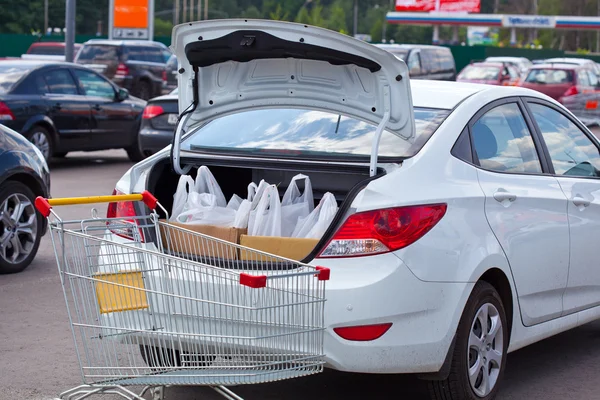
x=575 y=86
x=489 y=73
x=54 y=51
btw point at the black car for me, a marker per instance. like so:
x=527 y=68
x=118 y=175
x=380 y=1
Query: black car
x=24 y=175
x=158 y=123
x=138 y=66
x=171 y=75
x=424 y=61
x=62 y=107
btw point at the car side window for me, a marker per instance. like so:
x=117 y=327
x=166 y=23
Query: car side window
x=582 y=78
x=593 y=78
x=94 y=85
x=503 y=142
x=60 y=81
x=33 y=84
x=572 y=152
x=414 y=63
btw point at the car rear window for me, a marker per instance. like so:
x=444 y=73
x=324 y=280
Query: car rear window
x=549 y=76
x=480 y=73
x=97 y=53
x=10 y=75
x=312 y=134
x=143 y=53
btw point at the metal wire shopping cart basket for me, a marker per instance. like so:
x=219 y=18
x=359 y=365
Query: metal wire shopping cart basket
x=154 y=305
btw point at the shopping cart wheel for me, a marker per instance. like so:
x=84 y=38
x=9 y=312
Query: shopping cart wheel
x=160 y=358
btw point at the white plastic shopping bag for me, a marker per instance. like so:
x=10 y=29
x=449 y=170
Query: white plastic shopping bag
x=265 y=220
x=206 y=183
x=242 y=215
x=203 y=210
x=256 y=192
x=235 y=202
x=295 y=205
x=180 y=198
x=317 y=222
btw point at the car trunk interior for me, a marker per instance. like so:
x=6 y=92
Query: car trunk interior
x=344 y=182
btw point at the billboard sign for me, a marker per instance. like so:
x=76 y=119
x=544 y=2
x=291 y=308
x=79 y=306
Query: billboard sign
x=482 y=36
x=445 y=5
x=528 y=21
x=131 y=19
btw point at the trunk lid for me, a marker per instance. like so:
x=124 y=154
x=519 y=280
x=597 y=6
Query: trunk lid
x=231 y=66
x=556 y=91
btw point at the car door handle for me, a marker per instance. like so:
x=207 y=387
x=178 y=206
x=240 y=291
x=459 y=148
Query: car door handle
x=57 y=107
x=502 y=195
x=96 y=107
x=580 y=201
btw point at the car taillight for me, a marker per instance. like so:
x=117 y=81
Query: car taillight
x=123 y=222
x=572 y=91
x=5 y=113
x=122 y=70
x=381 y=231
x=152 y=111
x=164 y=76
x=362 y=333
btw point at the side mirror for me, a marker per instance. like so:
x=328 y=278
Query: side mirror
x=122 y=94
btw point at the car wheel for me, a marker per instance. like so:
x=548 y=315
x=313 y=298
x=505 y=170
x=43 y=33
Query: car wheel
x=479 y=356
x=135 y=152
x=40 y=137
x=20 y=227
x=144 y=91
x=159 y=358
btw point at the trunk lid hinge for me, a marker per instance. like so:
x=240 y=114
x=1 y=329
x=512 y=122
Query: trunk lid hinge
x=379 y=131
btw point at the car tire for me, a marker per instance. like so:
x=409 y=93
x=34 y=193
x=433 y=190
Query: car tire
x=41 y=138
x=144 y=90
x=134 y=152
x=475 y=349
x=20 y=232
x=160 y=358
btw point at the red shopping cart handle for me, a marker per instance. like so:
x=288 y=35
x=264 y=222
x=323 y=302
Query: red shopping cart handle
x=44 y=205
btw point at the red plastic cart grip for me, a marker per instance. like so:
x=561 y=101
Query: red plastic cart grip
x=43 y=206
x=149 y=199
x=253 y=281
x=324 y=273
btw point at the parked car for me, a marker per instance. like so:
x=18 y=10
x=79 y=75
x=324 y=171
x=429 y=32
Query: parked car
x=425 y=62
x=63 y=107
x=584 y=62
x=488 y=247
x=171 y=75
x=50 y=51
x=159 y=120
x=138 y=66
x=573 y=85
x=24 y=175
x=499 y=74
x=522 y=64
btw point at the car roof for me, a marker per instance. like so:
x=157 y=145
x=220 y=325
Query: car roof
x=511 y=59
x=408 y=46
x=49 y=44
x=556 y=65
x=108 y=42
x=447 y=95
x=487 y=64
x=569 y=60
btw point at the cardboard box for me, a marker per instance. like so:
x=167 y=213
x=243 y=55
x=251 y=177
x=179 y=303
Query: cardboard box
x=179 y=241
x=292 y=248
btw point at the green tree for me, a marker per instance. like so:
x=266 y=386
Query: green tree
x=337 y=18
x=279 y=15
x=253 y=13
x=162 y=27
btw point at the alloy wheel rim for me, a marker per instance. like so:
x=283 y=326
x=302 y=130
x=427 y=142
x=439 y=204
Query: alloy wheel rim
x=18 y=228
x=485 y=350
x=40 y=141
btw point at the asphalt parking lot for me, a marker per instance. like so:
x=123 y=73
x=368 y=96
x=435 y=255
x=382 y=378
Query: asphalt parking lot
x=37 y=360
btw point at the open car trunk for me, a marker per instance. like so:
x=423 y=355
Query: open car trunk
x=343 y=181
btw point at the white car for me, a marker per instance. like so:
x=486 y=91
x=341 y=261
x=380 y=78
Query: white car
x=521 y=63
x=466 y=229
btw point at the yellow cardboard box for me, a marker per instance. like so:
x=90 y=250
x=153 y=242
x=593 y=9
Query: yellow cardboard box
x=292 y=248
x=179 y=241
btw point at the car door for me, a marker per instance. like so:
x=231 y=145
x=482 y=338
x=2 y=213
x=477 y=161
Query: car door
x=68 y=109
x=575 y=160
x=525 y=207
x=112 y=121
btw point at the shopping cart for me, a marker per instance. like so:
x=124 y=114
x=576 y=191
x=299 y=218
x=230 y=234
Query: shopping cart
x=153 y=305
